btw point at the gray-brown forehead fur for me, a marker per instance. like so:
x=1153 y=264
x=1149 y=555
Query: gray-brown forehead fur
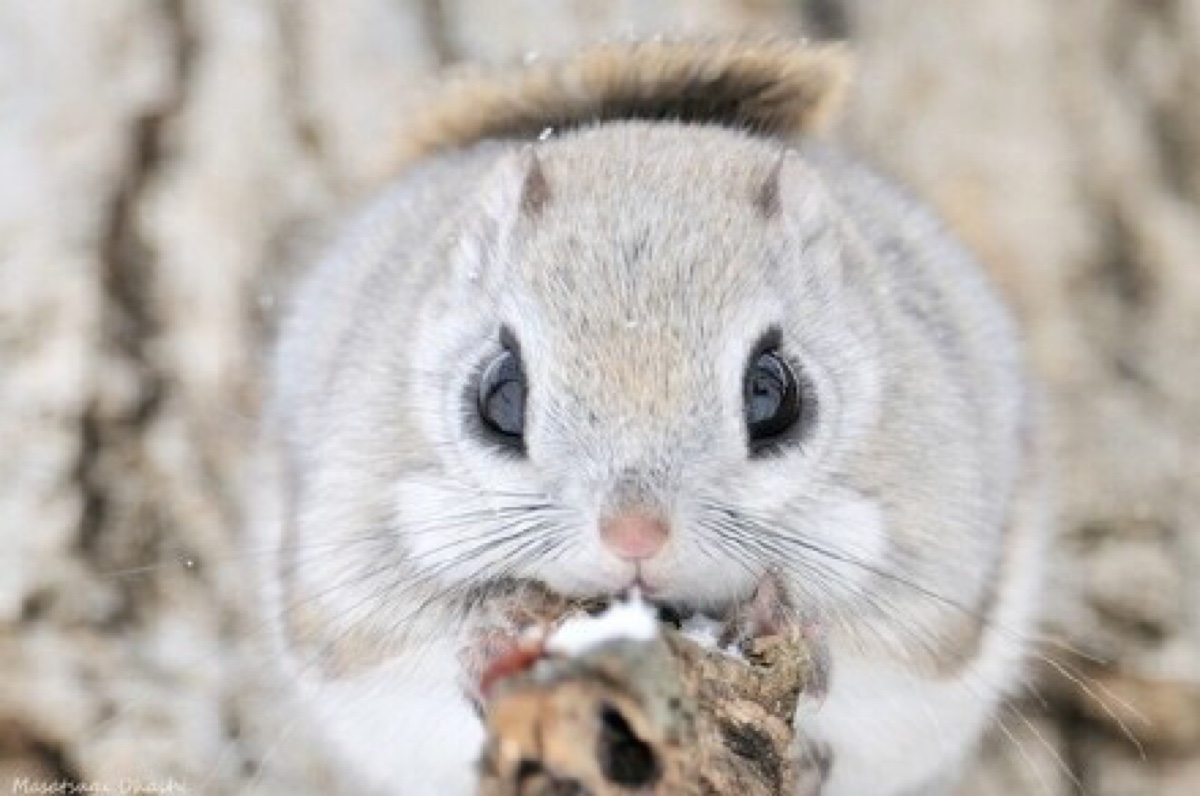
x=641 y=258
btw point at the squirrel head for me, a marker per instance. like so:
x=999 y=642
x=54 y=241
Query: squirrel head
x=652 y=328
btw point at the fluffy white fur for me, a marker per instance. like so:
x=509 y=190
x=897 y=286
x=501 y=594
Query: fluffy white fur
x=636 y=288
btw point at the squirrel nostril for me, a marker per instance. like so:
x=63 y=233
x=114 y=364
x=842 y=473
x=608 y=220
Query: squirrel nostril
x=634 y=536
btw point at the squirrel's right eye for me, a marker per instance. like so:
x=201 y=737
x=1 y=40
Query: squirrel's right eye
x=502 y=399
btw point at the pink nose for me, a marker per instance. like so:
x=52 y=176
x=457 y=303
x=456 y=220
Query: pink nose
x=634 y=536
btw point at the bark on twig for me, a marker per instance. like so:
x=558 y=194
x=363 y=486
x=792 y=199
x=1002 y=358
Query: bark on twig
x=666 y=716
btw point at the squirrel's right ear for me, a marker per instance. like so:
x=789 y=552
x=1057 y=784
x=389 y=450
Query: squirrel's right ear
x=516 y=189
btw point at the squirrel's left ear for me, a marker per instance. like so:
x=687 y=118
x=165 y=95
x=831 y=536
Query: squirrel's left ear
x=517 y=188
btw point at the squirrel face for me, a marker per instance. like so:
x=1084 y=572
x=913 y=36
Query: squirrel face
x=652 y=365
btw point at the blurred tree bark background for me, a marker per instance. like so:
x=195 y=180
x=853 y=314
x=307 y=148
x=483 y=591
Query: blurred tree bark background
x=167 y=167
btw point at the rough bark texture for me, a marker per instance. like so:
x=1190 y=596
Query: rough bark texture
x=664 y=717
x=166 y=166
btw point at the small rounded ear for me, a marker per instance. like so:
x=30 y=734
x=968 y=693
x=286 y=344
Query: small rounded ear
x=535 y=188
x=792 y=192
x=793 y=197
x=516 y=188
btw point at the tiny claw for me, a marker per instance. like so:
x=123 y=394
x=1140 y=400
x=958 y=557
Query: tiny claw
x=771 y=613
x=768 y=613
x=509 y=639
x=493 y=656
x=517 y=659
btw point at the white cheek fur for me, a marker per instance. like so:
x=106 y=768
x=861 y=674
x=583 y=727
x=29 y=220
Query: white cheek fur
x=452 y=528
x=468 y=534
x=404 y=726
x=852 y=529
x=837 y=533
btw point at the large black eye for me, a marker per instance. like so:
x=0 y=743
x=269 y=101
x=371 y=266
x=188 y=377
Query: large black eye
x=772 y=395
x=502 y=398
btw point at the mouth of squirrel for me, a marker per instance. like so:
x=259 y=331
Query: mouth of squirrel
x=677 y=614
x=499 y=650
x=673 y=612
x=765 y=612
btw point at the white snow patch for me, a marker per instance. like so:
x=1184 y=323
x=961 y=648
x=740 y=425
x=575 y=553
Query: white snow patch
x=633 y=620
x=704 y=630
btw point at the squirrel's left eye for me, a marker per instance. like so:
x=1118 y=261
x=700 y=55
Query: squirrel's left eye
x=772 y=398
x=502 y=399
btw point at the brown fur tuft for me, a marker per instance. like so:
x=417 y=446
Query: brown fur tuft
x=772 y=87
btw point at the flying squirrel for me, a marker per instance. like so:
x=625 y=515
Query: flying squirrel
x=623 y=321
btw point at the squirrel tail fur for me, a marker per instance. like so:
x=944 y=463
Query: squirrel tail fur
x=772 y=87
